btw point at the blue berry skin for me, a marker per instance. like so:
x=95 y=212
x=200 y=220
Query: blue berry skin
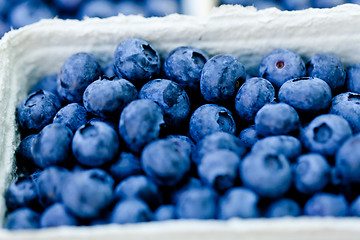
x=68 y=5
x=281 y=65
x=57 y=215
x=290 y=146
x=131 y=211
x=49 y=184
x=355 y=208
x=184 y=65
x=312 y=173
x=347 y=105
x=37 y=110
x=296 y=4
x=210 y=118
x=138 y=187
x=97 y=8
x=165 y=163
x=21 y=193
x=253 y=95
x=306 y=95
x=172 y=99
x=221 y=77
x=161 y=8
x=140 y=123
x=353 y=78
x=238 y=202
x=283 y=208
x=136 y=60
x=28 y=12
x=23 y=218
x=327 y=67
x=95 y=144
x=325 y=134
x=78 y=71
x=72 y=115
x=276 y=119
x=107 y=98
x=47 y=83
x=197 y=203
x=248 y=136
x=125 y=166
x=129 y=7
x=108 y=70
x=267 y=173
x=219 y=169
x=347 y=160
x=327 y=4
x=217 y=141
x=164 y=213
x=87 y=193
x=52 y=146
x=184 y=142
x=191 y=182
x=325 y=205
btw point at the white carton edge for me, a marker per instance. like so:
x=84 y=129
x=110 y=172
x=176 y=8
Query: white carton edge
x=39 y=49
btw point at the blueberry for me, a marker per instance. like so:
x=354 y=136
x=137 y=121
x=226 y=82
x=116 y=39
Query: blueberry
x=107 y=98
x=312 y=173
x=165 y=163
x=191 y=182
x=276 y=119
x=184 y=142
x=23 y=218
x=355 y=207
x=21 y=193
x=97 y=8
x=108 y=70
x=37 y=110
x=171 y=97
x=327 y=67
x=266 y=172
x=348 y=160
x=248 y=136
x=307 y=95
x=219 y=169
x=347 y=105
x=252 y=96
x=24 y=157
x=72 y=116
x=47 y=83
x=296 y=4
x=129 y=7
x=164 y=213
x=217 y=141
x=184 y=65
x=49 y=185
x=210 y=118
x=68 y=5
x=87 y=193
x=131 y=211
x=197 y=203
x=161 y=8
x=52 y=146
x=325 y=134
x=4 y=27
x=78 y=71
x=221 y=77
x=28 y=12
x=353 y=78
x=126 y=165
x=326 y=204
x=95 y=144
x=57 y=215
x=283 y=208
x=288 y=145
x=136 y=60
x=140 y=123
x=327 y=4
x=138 y=187
x=281 y=65
x=239 y=202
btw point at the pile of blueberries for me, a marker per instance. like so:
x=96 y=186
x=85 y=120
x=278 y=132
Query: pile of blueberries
x=18 y=13
x=135 y=140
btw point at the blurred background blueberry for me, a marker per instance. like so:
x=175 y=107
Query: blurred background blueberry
x=18 y=13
